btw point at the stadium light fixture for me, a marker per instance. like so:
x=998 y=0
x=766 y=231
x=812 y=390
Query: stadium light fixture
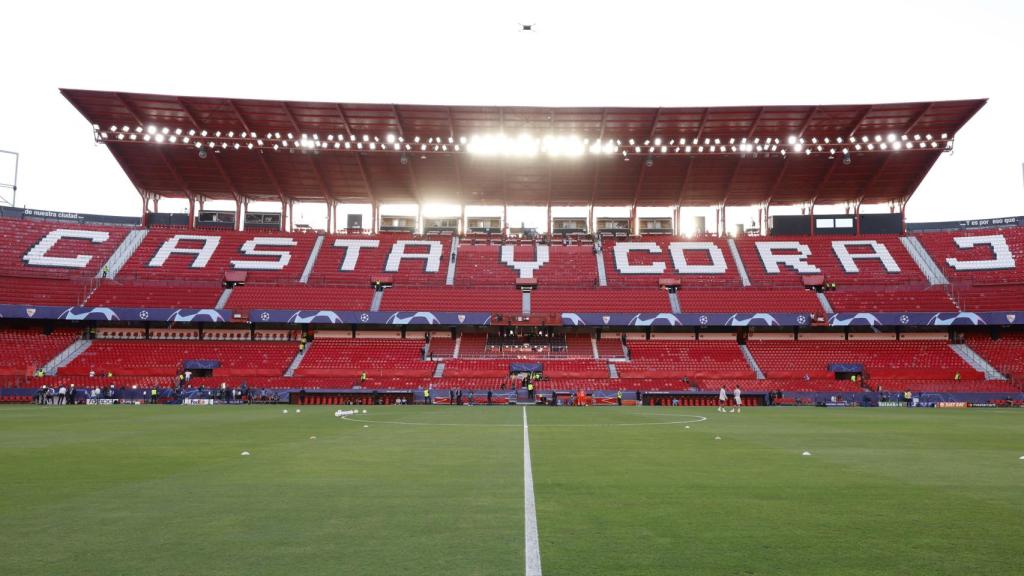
x=526 y=145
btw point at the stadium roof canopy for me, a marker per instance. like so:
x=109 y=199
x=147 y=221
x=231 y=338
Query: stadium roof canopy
x=224 y=148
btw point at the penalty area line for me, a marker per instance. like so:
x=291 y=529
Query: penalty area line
x=530 y=506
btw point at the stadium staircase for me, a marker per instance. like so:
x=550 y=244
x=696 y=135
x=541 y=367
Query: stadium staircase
x=602 y=278
x=977 y=362
x=223 y=300
x=458 y=344
x=613 y=371
x=673 y=301
x=526 y=304
x=751 y=362
x=297 y=361
x=378 y=295
x=924 y=261
x=125 y=251
x=439 y=370
x=593 y=348
x=739 y=262
x=453 y=260
x=66 y=356
x=304 y=279
x=825 y=304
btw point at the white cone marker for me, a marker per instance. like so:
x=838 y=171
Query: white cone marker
x=806 y=453
x=246 y=453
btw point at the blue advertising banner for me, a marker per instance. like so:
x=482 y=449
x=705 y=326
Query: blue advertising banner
x=845 y=367
x=883 y=319
x=526 y=367
x=349 y=317
x=688 y=319
x=200 y=364
x=114 y=314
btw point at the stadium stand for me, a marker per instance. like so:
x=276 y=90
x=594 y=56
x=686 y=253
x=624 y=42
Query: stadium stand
x=165 y=358
x=425 y=263
x=877 y=260
x=749 y=300
x=644 y=260
x=1005 y=353
x=176 y=254
x=881 y=359
x=62 y=250
x=609 y=346
x=990 y=297
x=993 y=256
x=684 y=358
x=299 y=296
x=490 y=264
x=650 y=299
x=863 y=299
x=505 y=300
x=44 y=291
x=150 y=295
x=25 y=350
x=378 y=357
x=567 y=283
x=442 y=346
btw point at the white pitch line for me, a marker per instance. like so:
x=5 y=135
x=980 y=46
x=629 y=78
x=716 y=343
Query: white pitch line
x=532 y=540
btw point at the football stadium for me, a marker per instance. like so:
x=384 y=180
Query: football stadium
x=637 y=382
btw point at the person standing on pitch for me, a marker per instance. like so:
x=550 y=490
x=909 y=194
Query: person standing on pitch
x=736 y=396
x=723 y=398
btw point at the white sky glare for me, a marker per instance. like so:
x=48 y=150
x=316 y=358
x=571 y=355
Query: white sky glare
x=580 y=54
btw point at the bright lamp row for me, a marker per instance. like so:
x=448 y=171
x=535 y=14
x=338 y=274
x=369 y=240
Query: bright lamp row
x=522 y=145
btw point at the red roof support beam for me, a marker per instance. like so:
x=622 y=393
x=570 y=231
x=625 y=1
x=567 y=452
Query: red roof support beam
x=917 y=119
x=414 y=184
x=776 y=182
x=455 y=157
x=732 y=179
x=316 y=167
x=807 y=122
x=597 y=161
x=643 y=169
x=263 y=161
x=823 y=182
x=126 y=167
x=736 y=169
x=216 y=160
x=753 y=125
x=163 y=156
x=860 y=120
x=359 y=157
x=684 y=180
x=703 y=122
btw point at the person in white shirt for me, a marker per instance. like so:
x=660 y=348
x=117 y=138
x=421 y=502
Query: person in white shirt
x=62 y=395
x=736 y=396
x=723 y=399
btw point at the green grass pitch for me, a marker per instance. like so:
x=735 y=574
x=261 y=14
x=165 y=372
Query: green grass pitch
x=140 y=490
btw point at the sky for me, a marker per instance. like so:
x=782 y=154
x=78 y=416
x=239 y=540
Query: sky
x=593 y=53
